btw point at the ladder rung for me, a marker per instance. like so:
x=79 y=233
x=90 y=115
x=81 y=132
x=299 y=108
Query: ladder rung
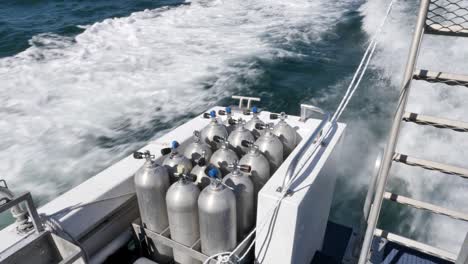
x=431 y=165
x=438 y=29
x=418 y=246
x=441 y=77
x=436 y=122
x=425 y=206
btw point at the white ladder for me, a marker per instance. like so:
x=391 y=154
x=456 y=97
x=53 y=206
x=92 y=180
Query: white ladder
x=440 y=17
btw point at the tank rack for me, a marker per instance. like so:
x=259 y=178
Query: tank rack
x=143 y=234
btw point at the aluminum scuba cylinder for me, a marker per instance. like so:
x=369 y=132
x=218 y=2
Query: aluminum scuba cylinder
x=182 y=210
x=194 y=150
x=229 y=121
x=151 y=185
x=238 y=135
x=200 y=173
x=217 y=212
x=259 y=166
x=174 y=159
x=243 y=189
x=251 y=124
x=214 y=128
x=271 y=147
x=285 y=133
x=224 y=156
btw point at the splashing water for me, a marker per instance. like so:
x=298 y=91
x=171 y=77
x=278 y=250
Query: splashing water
x=74 y=105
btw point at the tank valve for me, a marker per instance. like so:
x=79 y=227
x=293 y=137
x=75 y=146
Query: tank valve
x=182 y=174
x=247 y=144
x=221 y=140
x=281 y=116
x=267 y=126
x=254 y=111
x=227 y=111
x=197 y=136
x=236 y=167
x=143 y=155
x=211 y=115
x=172 y=149
x=239 y=121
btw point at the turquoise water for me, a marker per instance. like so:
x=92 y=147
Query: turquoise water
x=84 y=83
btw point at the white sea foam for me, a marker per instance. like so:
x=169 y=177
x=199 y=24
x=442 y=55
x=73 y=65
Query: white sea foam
x=63 y=97
x=439 y=54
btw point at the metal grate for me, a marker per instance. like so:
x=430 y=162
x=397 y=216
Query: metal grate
x=448 y=17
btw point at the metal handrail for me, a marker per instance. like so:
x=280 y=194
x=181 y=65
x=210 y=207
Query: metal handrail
x=368 y=203
x=249 y=100
x=310 y=140
x=393 y=138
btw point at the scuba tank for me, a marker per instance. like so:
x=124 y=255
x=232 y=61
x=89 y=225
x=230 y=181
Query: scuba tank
x=285 y=133
x=271 y=147
x=251 y=125
x=223 y=156
x=214 y=128
x=244 y=191
x=194 y=150
x=200 y=172
x=151 y=184
x=238 y=135
x=182 y=210
x=229 y=121
x=217 y=212
x=259 y=166
x=174 y=159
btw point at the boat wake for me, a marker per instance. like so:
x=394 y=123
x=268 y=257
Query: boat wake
x=74 y=105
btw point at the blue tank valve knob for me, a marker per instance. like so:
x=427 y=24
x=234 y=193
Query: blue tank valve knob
x=213 y=173
x=213 y=114
x=228 y=110
x=254 y=110
x=174 y=144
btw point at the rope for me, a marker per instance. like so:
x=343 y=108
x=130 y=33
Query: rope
x=357 y=78
x=215 y=256
x=364 y=61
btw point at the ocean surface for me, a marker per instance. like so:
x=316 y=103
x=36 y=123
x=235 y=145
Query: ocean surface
x=85 y=83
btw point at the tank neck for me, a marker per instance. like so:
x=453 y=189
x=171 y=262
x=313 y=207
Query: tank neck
x=236 y=173
x=174 y=153
x=254 y=151
x=150 y=164
x=182 y=180
x=216 y=185
x=223 y=146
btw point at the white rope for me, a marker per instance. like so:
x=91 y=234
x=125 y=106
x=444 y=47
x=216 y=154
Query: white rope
x=214 y=256
x=357 y=78
x=364 y=61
